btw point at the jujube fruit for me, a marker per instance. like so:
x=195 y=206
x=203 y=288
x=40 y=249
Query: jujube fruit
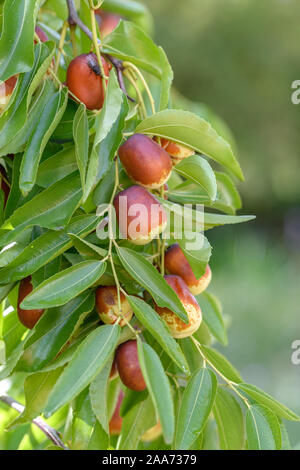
x=145 y=162
x=129 y=367
x=140 y=215
x=27 y=317
x=108 y=308
x=177 y=151
x=177 y=327
x=176 y=263
x=84 y=80
x=107 y=22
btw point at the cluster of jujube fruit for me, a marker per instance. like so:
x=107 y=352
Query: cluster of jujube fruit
x=148 y=162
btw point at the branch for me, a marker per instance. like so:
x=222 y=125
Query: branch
x=51 y=433
x=74 y=19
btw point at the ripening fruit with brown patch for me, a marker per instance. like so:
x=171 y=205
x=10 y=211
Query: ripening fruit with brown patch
x=27 y=317
x=107 y=22
x=140 y=215
x=176 y=263
x=152 y=433
x=177 y=151
x=84 y=79
x=145 y=162
x=41 y=34
x=115 y=424
x=3 y=184
x=177 y=327
x=108 y=308
x=129 y=367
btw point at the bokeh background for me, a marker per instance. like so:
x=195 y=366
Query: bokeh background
x=240 y=58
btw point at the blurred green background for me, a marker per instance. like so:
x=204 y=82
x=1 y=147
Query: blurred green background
x=240 y=58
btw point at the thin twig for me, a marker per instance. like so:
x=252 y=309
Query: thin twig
x=51 y=433
x=118 y=64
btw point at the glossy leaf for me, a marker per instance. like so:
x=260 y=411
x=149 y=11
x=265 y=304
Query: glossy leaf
x=81 y=139
x=263 y=398
x=199 y=171
x=98 y=395
x=212 y=316
x=146 y=275
x=65 y=285
x=46 y=248
x=49 y=118
x=158 y=387
x=55 y=168
x=197 y=251
x=222 y=364
x=52 y=332
x=159 y=330
x=196 y=404
x=51 y=208
x=41 y=98
x=230 y=420
x=191 y=130
x=16 y=43
x=88 y=361
x=137 y=421
x=14 y=117
x=37 y=388
x=263 y=430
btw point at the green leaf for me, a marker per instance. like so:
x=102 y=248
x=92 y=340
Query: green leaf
x=148 y=277
x=83 y=421
x=263 y=398
x=41 y=98
x=228 y=199
x=159 y=330
x=137 y=421
x=210 y=220
x=197 y=402
x=109 y=125
x=37 y=388
x=99 y=439
x=87 y=362
x=51 y=208
x=16 y=43
x=65 y=285
x=15 y=115
x=49 y=118
x=56 y=167
x=52 y=332
x=263 y=430
x=129 y=43
x=197 y=252
x=131 y=398
x=212 y=316
x=199 y=171
x=188 y=129
x=98 y=395
x=45 y=248
x=230 y=420
x=222 y=364
x=158 y=387
x=81 y=139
